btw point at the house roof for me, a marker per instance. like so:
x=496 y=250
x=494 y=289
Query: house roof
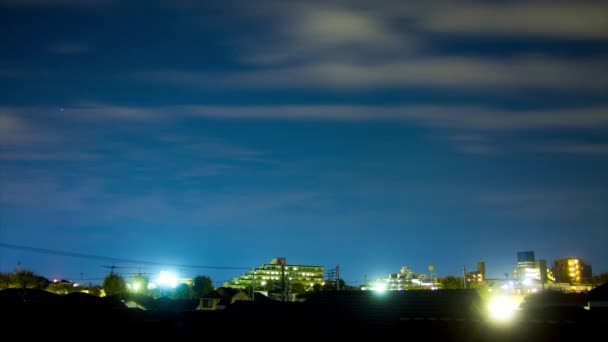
x=213 y=294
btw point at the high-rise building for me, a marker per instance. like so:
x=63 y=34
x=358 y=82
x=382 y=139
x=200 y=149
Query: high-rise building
x=571 y=270
x=528 y=269
x=280 y=274
x=525 y=259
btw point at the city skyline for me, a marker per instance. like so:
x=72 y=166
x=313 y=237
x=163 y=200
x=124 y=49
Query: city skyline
x=132 y=267
x=365 y=135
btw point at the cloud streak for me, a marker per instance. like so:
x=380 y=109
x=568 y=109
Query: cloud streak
x=554 y=19
x=16 y=130
x=572 y=147
x=441 y=72
x=448 y=116
x=477 y=130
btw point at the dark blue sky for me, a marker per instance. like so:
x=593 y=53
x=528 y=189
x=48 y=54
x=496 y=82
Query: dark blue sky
x=369 y=135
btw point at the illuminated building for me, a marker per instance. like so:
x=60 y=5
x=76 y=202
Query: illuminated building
x=531 y=273
x=571 y=270
x=404 y=280
x=277 y=272
x=479 y=275
x=525 y=259
x=481 y=270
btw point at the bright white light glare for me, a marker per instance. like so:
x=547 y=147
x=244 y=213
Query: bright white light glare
x=527 y=282
x=136 y=286
x=502 y=308
x=152 y=286
x=167 y=279
x=379 y=287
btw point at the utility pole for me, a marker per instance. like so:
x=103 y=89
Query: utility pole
x=464 y=270
x=338 y=278
x=253 y=286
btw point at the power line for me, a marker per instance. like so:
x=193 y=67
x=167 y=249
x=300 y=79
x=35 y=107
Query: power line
x=106 y=258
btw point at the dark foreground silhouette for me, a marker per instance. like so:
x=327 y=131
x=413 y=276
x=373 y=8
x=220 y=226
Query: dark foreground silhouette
x=435 y=315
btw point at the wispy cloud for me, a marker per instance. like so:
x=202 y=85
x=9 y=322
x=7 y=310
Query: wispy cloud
x=17 y=130
x=448 y=116
x=559 y=19
x=327 y=25
x=572 y=147
x=101 y=111
x=462 y=117
x=301 y=33
x=471 y=129
x=65 y=48
x=444 y=72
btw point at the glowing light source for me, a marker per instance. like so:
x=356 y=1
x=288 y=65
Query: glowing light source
x=379 y=287
x=502 y=308
x=166 y=279
x=136 y=286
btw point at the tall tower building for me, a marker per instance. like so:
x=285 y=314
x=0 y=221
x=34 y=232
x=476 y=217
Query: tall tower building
x=481 y=269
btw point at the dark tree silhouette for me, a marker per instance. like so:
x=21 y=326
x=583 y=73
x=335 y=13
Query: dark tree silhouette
x=114 y=284
x=202 y=286
x=451 y=282
x=600 y=279
x=182 y=291
x=297 y=288
x=5 y=281
x=25 y=279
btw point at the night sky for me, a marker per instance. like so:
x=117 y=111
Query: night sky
x=365 y=134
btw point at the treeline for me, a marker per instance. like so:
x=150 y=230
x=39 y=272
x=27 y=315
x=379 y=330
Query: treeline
x=113 y=284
